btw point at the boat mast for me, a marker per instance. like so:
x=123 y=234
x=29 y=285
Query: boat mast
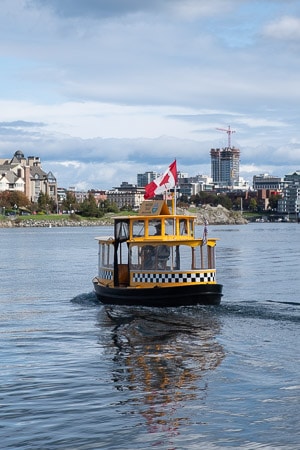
x=174 y=201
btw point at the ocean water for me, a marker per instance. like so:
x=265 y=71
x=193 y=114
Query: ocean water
x=77 y=376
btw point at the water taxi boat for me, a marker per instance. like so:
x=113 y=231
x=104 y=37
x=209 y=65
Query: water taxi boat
x=154 y=259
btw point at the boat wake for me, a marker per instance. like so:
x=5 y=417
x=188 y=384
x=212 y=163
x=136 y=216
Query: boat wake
x=185 y=318
x=277 y=311
x=88 y=299
x=268 y=310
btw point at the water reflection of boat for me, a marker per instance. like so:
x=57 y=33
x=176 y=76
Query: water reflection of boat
x=165 y=356
x=154 y=259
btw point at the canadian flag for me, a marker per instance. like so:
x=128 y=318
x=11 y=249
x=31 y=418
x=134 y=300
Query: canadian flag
x=163 y=183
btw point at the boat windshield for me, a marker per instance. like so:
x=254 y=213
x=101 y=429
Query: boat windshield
x=171 y=257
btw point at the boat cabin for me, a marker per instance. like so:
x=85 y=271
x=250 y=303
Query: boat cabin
x=155 y=248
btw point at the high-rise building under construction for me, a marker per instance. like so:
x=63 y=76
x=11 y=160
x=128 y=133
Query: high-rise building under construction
x=225 y=164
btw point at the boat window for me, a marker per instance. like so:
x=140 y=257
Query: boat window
x=106 y=255
x=169 y=227
x=203 y=257
x=211 y=256
x=183 y=226
x=122 y=253
x=148 y=256
x=122 y=230
x=162 y=256
x=154 y=227
x=138 y=228
x=151 y=257
x=186 y=227
x=192 y=227
x=135 y=257
x=184 y=257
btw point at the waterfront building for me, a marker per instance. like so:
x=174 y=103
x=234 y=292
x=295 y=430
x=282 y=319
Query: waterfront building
x=290 y=201
x=266 y=181
x=126 y=195
x=99 y=195
x=26 y=175
x=188 y=186
x=61 y=194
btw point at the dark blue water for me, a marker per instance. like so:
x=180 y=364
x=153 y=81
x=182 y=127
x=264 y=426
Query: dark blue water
x=74 y=376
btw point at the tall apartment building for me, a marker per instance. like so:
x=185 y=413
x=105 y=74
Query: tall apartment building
x=225 y=166
x=145 y=178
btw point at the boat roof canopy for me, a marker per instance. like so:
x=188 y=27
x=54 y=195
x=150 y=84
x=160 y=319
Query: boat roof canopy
x=211 y=242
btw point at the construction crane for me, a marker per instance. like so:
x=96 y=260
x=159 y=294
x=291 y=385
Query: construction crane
x=229 y=132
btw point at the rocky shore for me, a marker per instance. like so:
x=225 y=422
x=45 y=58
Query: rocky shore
x=212 y=215
x=218 y=215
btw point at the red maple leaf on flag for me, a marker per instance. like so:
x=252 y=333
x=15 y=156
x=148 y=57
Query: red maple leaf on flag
x=163 y=183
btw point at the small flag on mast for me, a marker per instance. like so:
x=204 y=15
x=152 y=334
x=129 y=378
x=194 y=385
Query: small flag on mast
x=205 y=233
x=165 y=182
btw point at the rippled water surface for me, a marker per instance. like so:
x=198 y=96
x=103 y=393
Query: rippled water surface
x=77 y=376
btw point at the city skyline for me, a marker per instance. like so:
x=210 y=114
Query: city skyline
x=104 y=90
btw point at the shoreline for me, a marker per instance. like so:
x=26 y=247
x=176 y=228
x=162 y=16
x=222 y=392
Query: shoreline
x=52 y=223
x=213 y=215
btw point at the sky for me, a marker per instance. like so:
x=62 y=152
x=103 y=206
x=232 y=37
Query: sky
x=102 y=90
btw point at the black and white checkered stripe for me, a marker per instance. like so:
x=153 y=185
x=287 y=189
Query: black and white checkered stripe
x=202 y=277
x=106 y=274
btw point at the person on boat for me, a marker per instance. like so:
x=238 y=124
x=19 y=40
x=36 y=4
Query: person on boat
x=148 y=257
x=163 y=254
x=155 y=257
x=158 y=229
x=162 y=251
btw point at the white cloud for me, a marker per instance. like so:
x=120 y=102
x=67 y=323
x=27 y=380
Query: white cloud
x=102 y=90
x=193 y=9
x=286 y=28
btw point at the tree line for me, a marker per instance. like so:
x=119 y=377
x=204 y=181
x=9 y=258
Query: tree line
x=13 y=201
x=249 y=200
x=16 y=202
